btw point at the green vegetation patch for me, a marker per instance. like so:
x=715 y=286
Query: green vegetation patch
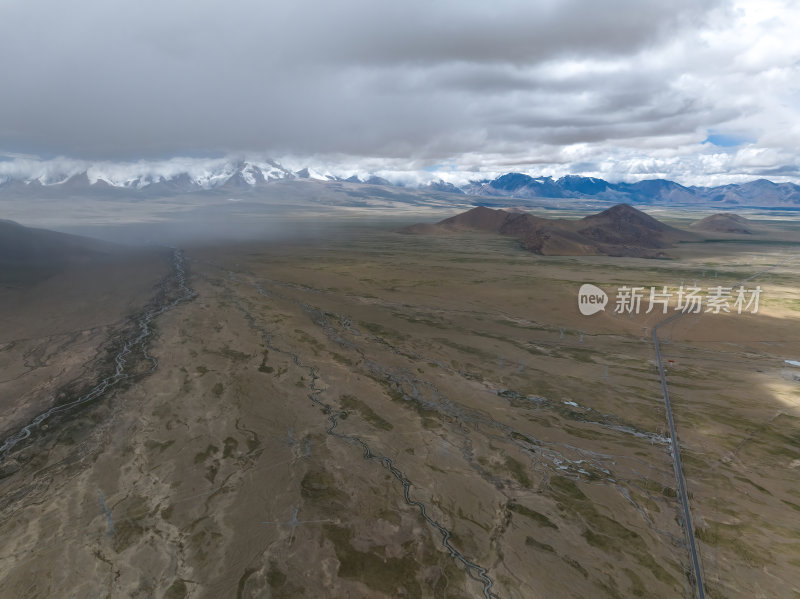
x=531 y=542
x=429 y=321
x=177 y=590
x=579 y=354
x=203 y=456
x=344 y=360
x=750 y=482
x=126 y=533
x=606 y=533
x=248 y=572
x=382 y=331
x=466 y=349
x=152 y=444
x=263 y=367
x=637 y=586
x=540 y=519
x=566 y=487
x=348 y=402
x=430 y=417
x=230 y=447
x=794 y=506
x=575 y=564
x=394 y=576
x=319 y=486
x=280 y=585
x=518 y=471
x=306 y=338
x=736 y=538
x=230 y=354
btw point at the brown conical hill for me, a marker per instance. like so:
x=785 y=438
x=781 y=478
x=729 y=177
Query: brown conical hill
x=549 y=237
x=724 y=223
x=478 y=219
x=621 y=230
x=624 y=225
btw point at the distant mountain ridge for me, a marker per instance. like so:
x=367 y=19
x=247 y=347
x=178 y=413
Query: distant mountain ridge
x=251 y=175
x=651 y=191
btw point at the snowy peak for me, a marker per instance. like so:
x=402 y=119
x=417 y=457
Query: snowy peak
x=308 y=173
x=442 y=185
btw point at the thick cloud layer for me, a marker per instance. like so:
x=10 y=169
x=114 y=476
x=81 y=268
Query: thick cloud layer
x=701 y=91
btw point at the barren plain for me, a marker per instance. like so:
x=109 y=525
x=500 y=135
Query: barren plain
x=379 y=415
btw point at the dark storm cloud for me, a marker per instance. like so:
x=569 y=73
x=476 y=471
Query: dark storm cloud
x=470 y=84
x=498 y=32
x=119 y=79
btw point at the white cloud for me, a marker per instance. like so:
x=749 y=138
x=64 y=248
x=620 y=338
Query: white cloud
x=622 y=89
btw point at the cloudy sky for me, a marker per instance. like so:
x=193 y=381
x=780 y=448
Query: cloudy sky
x=699 y=91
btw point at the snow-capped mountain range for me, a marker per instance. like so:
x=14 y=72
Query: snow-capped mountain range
x=175 y=177
x=178 y=176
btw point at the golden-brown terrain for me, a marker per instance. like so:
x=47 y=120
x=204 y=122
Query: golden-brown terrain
x=392 y=416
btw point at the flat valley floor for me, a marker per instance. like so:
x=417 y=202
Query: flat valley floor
x=381 y=415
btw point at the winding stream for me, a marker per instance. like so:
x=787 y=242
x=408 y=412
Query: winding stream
x=136 y=344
